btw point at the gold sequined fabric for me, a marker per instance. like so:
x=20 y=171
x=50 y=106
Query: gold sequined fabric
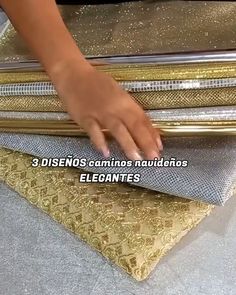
x=142 y=27
x=133 y=227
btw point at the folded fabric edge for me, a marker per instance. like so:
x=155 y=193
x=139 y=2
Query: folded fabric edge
x=144 y=185
x=178 y=239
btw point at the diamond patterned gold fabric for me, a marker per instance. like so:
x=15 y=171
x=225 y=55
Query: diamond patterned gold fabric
x=133 y=227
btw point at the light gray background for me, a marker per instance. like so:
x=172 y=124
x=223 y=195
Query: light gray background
x=39 y=257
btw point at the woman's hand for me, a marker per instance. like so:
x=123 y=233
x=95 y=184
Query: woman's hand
x=95 y=101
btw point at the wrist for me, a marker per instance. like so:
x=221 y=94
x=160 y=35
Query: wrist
x=60 y=69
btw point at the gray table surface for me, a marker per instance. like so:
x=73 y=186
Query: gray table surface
x=39 y=257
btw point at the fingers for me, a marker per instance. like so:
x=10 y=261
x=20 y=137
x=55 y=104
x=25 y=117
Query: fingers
x=123 y=137
x=97 y=137
x=159 y=141
x=155 y=134
x=134 y=137
x=145 y=136
x=138 y=135
x=145 y=141
x=131 y=129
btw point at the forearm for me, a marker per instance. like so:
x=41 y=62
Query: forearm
x=43 y=29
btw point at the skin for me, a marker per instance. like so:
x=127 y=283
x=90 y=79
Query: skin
x=93 y=99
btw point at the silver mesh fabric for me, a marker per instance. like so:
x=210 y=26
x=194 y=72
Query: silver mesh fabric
x=47 y=88
x=37 y=88
x=209 y=177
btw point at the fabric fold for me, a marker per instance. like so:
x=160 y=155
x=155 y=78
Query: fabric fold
x=210 y=175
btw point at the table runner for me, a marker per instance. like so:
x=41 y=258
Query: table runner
x=131 y=226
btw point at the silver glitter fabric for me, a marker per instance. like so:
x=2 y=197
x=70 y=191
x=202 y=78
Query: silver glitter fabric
x=224 y=113
x=34 y=115
x=210 y=175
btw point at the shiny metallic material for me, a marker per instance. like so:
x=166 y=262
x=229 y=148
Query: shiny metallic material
x=27 y=72
x=211 y=114
x=69 y=128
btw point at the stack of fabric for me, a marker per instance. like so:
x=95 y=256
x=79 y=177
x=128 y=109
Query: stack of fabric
x=191 y=97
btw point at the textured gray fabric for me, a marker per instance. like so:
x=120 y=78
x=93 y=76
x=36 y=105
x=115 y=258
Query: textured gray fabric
x=39 y=257
x=209 y=177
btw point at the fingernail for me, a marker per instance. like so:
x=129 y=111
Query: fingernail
x=106 y=152
x=159 y=144
x=135 y=156
x=154 y=155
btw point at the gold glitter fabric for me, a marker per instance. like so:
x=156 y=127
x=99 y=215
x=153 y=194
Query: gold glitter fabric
x=171 y=72
x=143 y=72
x=133 y=227
x=149 y=100
x=20 y=77
x=31 y=103
x=142 y=27
x=145 y=27
x=186 y=98
x=132 y=72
